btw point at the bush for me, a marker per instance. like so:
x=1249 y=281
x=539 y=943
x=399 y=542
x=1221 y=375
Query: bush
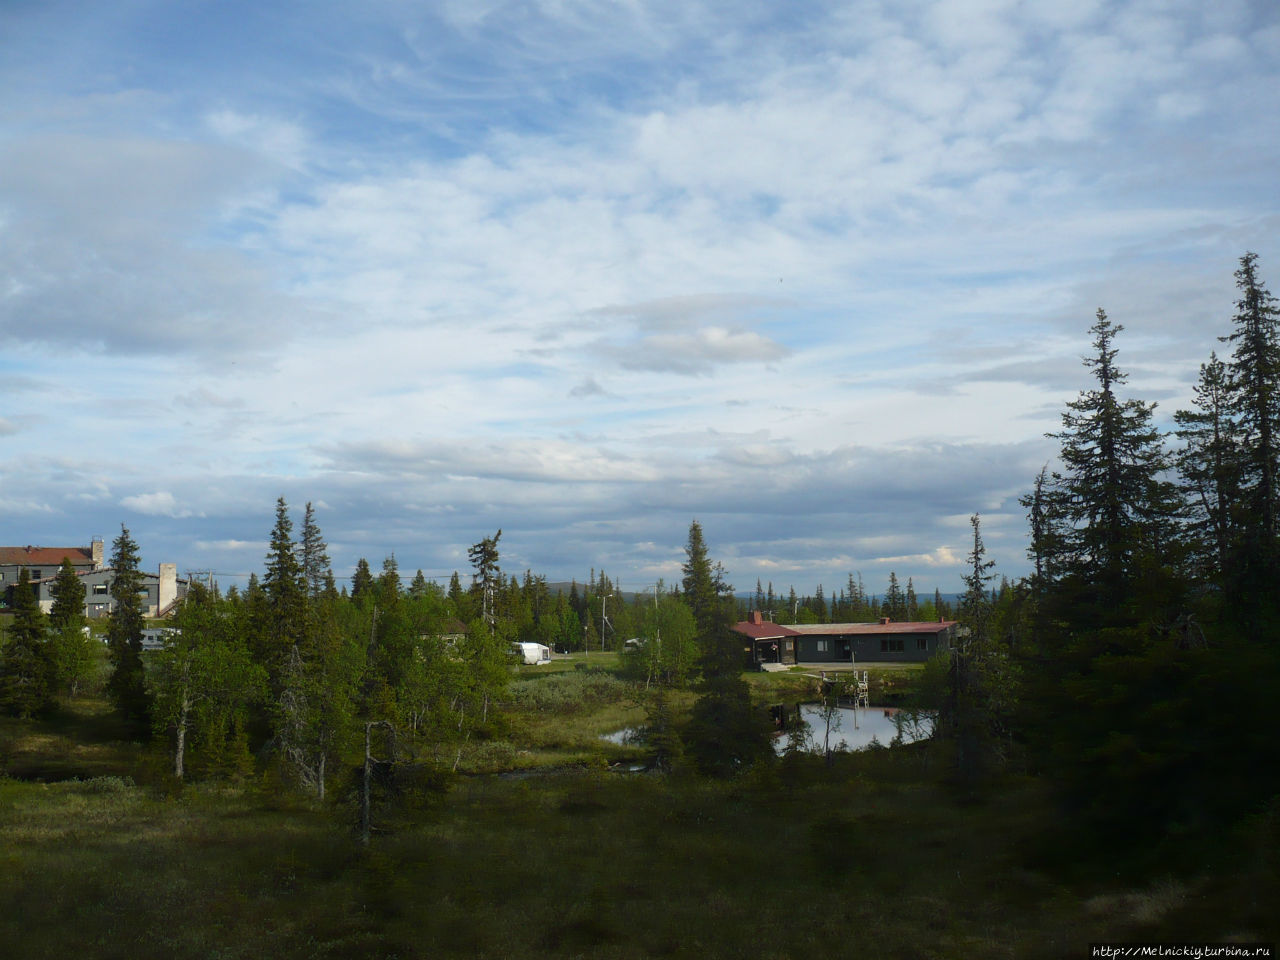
x=567 y=693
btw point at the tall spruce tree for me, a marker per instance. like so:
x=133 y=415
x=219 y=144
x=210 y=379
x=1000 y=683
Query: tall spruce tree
x=895 y=601
x=1253 y=376
x=725 y=735
x=487 y=577
x=25 y=673
x=315 y=554
x=127 y=685
x=703 y=583
x=1209 y=463
x=1110 y=505
x=286 y=593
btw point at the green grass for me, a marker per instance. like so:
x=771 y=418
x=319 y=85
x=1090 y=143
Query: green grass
x=873 y=857
x=858 y=862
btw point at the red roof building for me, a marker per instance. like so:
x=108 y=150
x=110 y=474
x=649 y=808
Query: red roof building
x=885 y=641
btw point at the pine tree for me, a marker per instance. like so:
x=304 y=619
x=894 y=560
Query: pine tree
x=913 y=605
x=25 y=673
x=127 y=683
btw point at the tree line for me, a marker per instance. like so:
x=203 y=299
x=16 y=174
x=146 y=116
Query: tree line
x=1136 y=666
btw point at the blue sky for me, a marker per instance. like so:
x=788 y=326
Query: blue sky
x=819 y=275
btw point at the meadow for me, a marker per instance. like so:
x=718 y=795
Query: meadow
x=559 y=854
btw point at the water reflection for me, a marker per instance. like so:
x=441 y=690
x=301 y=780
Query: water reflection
x=854 y=728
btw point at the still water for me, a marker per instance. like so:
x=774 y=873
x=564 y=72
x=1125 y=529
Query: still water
x=854 y=728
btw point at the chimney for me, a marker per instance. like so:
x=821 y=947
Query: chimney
x=884 y=620
x=168 y=587
x=757 y=617
x=95 y=548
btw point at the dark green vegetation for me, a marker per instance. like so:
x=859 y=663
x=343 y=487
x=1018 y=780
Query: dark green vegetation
x=872 y=856
x=1105 y=765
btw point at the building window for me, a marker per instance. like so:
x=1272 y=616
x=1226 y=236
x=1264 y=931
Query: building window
x=892 y=645
x=922 y=643
x=35 y=574
x=99 y=589
x=822 y=646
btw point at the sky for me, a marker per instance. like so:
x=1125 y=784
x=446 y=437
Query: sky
x=817 y=275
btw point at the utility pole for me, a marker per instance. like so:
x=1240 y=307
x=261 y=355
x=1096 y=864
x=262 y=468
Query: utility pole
x=604 y=621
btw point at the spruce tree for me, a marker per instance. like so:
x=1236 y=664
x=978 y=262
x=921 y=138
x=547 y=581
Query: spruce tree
x=895 y=602
x=72 y=652
x=418 y=587
x=1110 y=505
x=703 y=583
x=389 y=583
x=725 y=735
x=315 y=554
x=127 y=684
x=1209 y=463
x=25 y=673
x=487 y=577
x=286 y=592
x=1253 y=376
x=68 y=598
x=362 y=581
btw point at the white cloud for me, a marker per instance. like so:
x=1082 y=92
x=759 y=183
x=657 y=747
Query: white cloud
x=162 y=503
x=809 y=267
x=942 y=557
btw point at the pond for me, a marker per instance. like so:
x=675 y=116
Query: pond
x=854 y=728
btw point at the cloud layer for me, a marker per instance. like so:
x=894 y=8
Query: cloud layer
x=819 y=277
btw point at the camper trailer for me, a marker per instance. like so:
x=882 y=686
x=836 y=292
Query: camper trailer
x=532 y=652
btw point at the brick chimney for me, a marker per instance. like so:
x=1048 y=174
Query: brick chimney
x=95 y=549
x=884 y=620
x=756 y=617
